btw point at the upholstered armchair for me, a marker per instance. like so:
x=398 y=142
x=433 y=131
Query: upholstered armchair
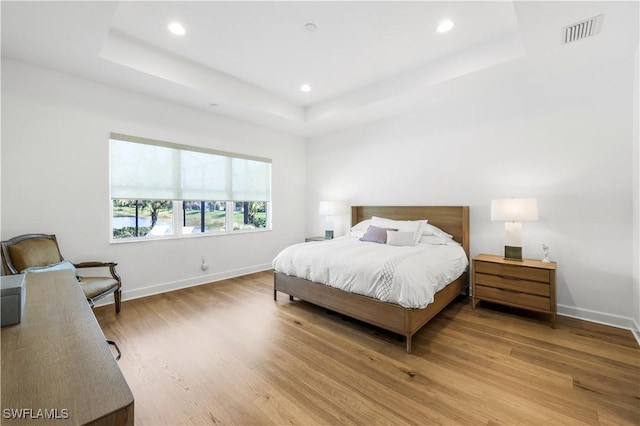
x=40 y=252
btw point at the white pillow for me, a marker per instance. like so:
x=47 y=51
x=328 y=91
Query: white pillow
x=433 y=230
x=397 y=238
x=436 y=240
x=60 y=266
x=359 y=229
x=415 y=226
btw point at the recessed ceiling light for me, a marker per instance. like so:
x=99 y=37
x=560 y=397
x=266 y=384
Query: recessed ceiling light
x=444 y=26
x=177 y=28
x=310 y=27
x=305 y=88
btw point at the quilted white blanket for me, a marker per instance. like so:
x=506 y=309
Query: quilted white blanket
x=406 y=275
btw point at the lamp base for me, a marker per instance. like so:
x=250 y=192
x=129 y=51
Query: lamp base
x=513 y=253
x=328 y=235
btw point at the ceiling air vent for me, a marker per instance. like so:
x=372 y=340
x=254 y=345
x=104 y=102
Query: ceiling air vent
x=581 y=30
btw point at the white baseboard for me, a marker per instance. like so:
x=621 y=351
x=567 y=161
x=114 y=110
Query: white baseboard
x=601 y=318
x=636 y=331
x=176 y=285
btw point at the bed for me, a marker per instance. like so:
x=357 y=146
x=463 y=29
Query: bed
x=389 y=316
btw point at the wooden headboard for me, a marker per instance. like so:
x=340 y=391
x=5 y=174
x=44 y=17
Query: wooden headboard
x=451 y=219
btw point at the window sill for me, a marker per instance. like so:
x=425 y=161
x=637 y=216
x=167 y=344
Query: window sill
x=185 y=236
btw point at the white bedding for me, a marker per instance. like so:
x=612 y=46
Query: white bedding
x=406 y=275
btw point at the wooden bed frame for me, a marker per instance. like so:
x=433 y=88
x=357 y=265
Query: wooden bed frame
x=389 y=316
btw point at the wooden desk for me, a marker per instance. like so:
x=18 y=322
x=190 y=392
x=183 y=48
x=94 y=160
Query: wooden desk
x=57 y=367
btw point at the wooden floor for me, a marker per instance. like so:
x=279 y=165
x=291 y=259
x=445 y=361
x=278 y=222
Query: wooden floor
x=226 y=353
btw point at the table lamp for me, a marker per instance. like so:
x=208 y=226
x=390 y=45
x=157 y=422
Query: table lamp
x=512 y=211
x=327 y=209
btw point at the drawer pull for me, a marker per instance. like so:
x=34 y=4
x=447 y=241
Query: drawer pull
x=115 y=345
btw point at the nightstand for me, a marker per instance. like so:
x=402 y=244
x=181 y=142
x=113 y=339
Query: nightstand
x=527 y=284
x=307 y=239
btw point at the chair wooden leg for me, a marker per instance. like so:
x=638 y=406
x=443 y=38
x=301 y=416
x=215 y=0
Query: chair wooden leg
x=117 y=296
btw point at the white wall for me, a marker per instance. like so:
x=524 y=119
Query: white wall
x=522 y=129
x=55 y=177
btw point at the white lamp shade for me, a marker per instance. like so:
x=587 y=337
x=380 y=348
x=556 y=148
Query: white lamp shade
x=327 y=208
x=514 y=209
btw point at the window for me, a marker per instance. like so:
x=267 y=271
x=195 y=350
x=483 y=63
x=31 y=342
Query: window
x=204 y=216
x=249 y=215
x=161 y=189
x=141 y=218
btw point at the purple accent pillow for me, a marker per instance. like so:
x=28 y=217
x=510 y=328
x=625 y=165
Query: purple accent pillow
x=376 y=234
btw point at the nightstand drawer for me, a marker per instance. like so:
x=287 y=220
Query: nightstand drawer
x=516 y=284
x=513 y=298
x=515 y=271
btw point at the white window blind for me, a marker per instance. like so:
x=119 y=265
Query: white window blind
x=144 y=169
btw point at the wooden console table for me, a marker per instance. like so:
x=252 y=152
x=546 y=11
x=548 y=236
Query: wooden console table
x=57 y=367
